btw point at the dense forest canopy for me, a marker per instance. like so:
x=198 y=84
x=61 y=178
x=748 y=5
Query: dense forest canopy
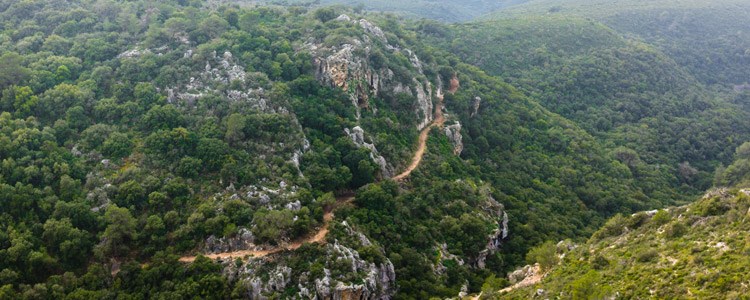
x=140 y=138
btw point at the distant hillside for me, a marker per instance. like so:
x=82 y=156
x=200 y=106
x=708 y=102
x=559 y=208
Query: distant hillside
x=652 y=112
x=442 y=10
x=710 y=38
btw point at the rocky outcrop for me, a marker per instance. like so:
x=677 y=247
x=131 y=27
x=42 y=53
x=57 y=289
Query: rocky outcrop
x=373 y=30
x=524 y=273
x=494 y=240
x=378 y=281
x=223 y=76
x=453 y=132
x=475 y=105
x=243 y=240
x=445 y=255
x=369 y=281
x=455 y=84
x=742 y=87
x=345 y=67
x=424 y=104
x=259 y=284
x=357 y=134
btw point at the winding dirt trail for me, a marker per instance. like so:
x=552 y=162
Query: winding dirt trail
x=319 y=236
x=438 y=121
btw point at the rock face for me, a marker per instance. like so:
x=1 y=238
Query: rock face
x=454 y=84
x=259 y=284
x=342 y=67
x=522 y=274
x=349 y=67
x=494 y=240
x=477 y=103
x=242 y=241
x=379 y=281
x=357 y=134
x=445 y=255
x=266 y=278
x=454 y=135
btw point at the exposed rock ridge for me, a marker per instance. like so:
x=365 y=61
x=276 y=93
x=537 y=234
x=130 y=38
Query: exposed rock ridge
x=357 y=134
x=495 y=239
x=341 y=67
x=454 y=135
x=377 y=280
x=242 y=241
x=349 y=67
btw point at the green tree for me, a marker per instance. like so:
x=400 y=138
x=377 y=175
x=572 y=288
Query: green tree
x=189 y=167
x=119 y=233
x=162 y=117
x=235 y=129
x=63 y=74
x=117 y=145
x=131 y=193
x=71 y=245
x=146 y=95
x=24 y=100
x=77 y=118
x=271 y=226
x=325 y=14
x=12 y=71
x=545 y=255
x=211 y=28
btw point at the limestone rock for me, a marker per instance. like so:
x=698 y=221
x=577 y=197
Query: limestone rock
x=454 y=135
x=522 y=273
x=243 y=240
x=357 y=134
x=476 y=104
x=373 y=30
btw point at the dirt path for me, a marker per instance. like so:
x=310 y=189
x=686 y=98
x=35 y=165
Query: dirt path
x=318 y=237
x=438 y=121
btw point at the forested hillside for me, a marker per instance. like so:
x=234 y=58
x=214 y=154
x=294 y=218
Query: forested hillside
x=443 y=10
x=136 y=133
x=181 y=149
x=709 y=38
x=645 y=105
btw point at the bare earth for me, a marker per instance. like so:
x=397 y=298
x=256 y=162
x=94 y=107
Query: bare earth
x=528 y=281
x=319 y=237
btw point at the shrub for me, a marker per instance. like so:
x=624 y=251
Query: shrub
x=599 y=262
x=545 y=255
x=711 y=207
x=613 y=227
x=647 y=256
x=661 y=217
x=675 y=230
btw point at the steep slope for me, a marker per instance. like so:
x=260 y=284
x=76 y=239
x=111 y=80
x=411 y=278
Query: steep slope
x=695 y=251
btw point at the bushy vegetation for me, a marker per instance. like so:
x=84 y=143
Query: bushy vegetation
x=707 y=38
x=643 y=105
x=130 y=132
x=443 y=10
